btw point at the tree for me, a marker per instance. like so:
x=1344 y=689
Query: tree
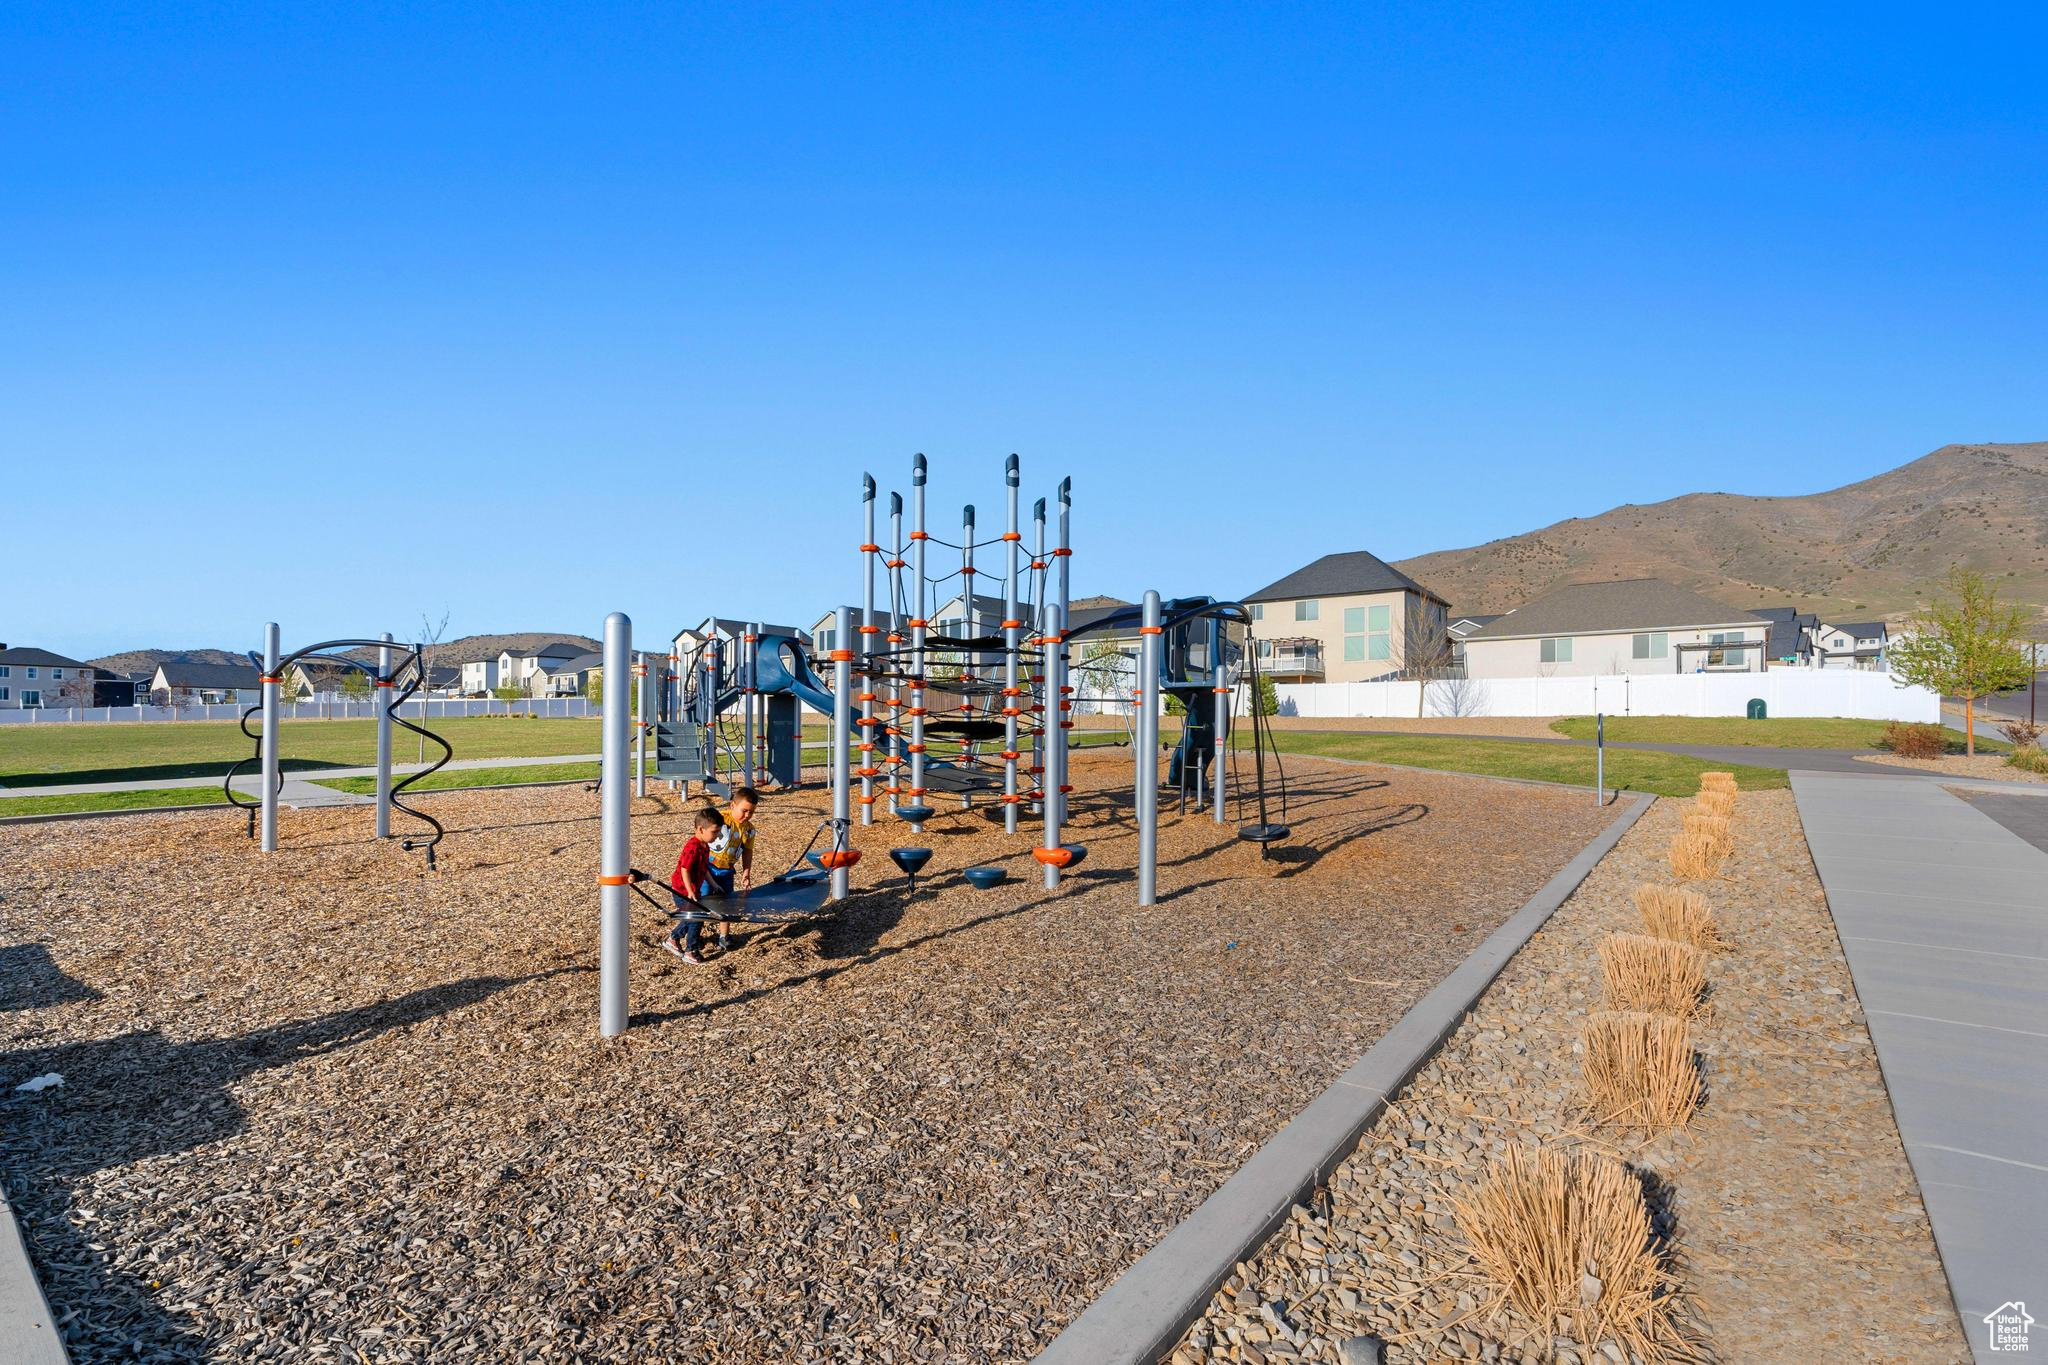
x=593 y=688
x=355 y=684
x=509 y=692
x=75 y=688
x=1267 y=702
x=1968 y=647
x=429 y=642
x=1426 y=653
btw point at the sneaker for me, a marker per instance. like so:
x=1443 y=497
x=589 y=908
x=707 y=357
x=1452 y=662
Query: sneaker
x=673 y=948
x=693 y=959
x=722 y=945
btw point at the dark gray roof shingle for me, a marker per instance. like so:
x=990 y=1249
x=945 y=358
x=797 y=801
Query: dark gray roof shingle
x=36 y=658
x=1341 y=575
x=1630 y=604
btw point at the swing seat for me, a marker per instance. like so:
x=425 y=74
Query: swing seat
x=1264 y=834
x=916 y=815
x=983 y=878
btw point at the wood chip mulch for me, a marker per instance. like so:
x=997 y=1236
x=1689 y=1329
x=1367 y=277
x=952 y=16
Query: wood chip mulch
x=324 y=1106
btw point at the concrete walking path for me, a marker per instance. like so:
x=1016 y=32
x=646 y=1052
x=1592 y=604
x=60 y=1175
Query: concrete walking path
x=1943 y=914
x=301 y=776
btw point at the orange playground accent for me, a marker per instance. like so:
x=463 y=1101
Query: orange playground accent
x=1053 y=857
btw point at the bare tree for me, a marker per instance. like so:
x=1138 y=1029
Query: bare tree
x=74 y=688
x=429 y=642
x=1426 y=652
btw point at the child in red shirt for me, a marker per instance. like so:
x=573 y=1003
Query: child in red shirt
x=690 y=883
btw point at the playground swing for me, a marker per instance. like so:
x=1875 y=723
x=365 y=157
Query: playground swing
x=400 y=682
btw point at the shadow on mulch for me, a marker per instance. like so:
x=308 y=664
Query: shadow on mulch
x=139 y=1095
x=30 y=979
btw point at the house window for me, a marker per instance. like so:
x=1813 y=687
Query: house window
x=56 y=675
x=5 y=671
x=1653 y=645
x=1258 y=611
x=1354 y=648
x=1368 y=633
x=30 y=697
x=1308 y=610
x=1556 y=650
x=4 y=694
x=1720 y=657
x=31 y=673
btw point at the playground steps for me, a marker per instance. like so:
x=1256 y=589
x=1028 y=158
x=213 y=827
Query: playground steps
x=679 y=751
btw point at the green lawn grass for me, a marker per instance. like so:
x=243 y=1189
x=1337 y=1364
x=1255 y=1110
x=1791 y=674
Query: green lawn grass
x=128 y=800
x=1631 y=769
x=39 y=755
x=475 y=777
x=1796 y=732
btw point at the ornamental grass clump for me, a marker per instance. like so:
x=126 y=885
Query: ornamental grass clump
x=1638 y=1069
x=1716 y=801
x=1717 y=781
x=1673 y=912
x=1638 y=972
x=1566 y=1239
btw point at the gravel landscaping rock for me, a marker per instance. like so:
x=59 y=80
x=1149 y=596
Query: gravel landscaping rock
x=1798 y=1229
x=324 y=1106
x=1989 y=767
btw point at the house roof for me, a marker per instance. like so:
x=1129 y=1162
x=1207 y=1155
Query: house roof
x=1470 y=621
x=209 y=675
x=1787 y=639
x=560 y=649
x=36 y=658
x=579 y=664
x=1859 y=630
x=1629 y=604
x=1340 y=575
x=727 y=625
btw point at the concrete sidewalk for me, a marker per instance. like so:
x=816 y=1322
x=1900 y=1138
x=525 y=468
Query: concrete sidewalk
x=291 y=775
x=1943 y=914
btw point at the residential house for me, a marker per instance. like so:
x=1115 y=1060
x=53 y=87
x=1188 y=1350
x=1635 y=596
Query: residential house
x=1852 y=644
x=1638 y=625
x=118 y=689
x=1790 y=643
x=1461 y=625
x=1343 y=618
x=322 y=680
x=728 y=631
x=207 y=684
x=566 y=677
x=520 y=667
x=479 y=677
x=35 y=678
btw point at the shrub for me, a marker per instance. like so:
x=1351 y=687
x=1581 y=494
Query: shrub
x=1542 y=1221
x=1717 y=781
x=2029 y=760
x=2022 y=734
x=1654 y=975
x=1695 y=855
x=1914 y=741
x=1639 y=1069
x=1677 y=914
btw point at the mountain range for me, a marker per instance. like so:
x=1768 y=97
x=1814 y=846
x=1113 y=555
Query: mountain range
x=1877 y=548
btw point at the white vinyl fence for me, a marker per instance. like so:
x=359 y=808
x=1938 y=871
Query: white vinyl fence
x=431 y=708
x=1783 y=691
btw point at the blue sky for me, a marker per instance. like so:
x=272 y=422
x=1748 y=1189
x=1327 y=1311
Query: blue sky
x=338 y=314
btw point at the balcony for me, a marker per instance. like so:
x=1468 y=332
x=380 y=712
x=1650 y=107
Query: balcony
x=1298 y=661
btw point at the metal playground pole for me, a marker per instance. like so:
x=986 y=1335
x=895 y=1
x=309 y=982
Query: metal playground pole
x=273 y=650
x=750 y=649
x=614 y=869
x=1011 y=626
x=1054 y=774
x=382 y=691
x=842 y=724
x=917 y=629
x=1220 y=680
x=868 y=551
x=1056 y=696
x=640 y=725
x=1147 y=752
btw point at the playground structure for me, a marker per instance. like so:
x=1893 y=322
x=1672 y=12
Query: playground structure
x=393 y=682
x=930 y=706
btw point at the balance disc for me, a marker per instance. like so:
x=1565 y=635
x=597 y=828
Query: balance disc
x=982 y=878
x=911 y=860
x=916 y=815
